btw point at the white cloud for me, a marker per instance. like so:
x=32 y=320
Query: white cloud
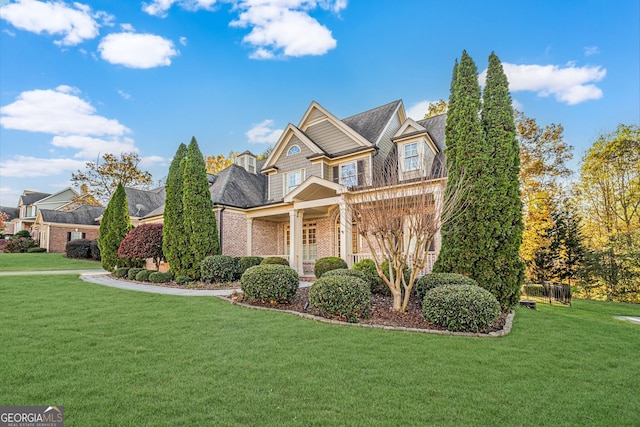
x=58 y=111
x=183 y=41
x=569 y=84
x=90 y=147
x=124 y=94
x=137 y=50
x=517 y=105
x=29 y=167
x=159 y=8
x=127 y=27
x=418 y=110
x=263 y=133
x=285 y=28
x=150 y=161
x=591 y=50
x=74 y=23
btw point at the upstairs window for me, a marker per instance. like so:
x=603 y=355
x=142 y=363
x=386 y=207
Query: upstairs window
x=349 y=175
x=292 y=180
x=294 y=149
x=411 y=156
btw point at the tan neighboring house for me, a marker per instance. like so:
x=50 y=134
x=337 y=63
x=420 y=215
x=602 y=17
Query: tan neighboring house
x=292 y=204
x=55 y=228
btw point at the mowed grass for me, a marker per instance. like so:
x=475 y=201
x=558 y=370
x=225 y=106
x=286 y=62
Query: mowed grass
x=43 y=261
x=122 y=358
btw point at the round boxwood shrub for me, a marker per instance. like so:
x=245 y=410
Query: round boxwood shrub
x=347 y=272
x=433 y=280
x=183 y=280
x=131 y=274
x=218 y=269
x=344 y=296
x=121 y=271
x=270 y=283
x=274 y=260
x=158 y=277
x=36 y=250
x=327 y=264
x=245 y=262
x=461 y=307
x=143 y=275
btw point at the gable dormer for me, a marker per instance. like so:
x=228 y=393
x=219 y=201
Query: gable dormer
x=415 y=149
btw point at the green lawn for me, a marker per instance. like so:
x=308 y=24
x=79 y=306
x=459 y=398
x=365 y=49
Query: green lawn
x=121 y=358
x=43 y=261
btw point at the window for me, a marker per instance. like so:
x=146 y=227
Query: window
x=309 y=242
x=294 y=149
x=73 y=235
x=292 y=180
x=349 y=175
x=411 y=156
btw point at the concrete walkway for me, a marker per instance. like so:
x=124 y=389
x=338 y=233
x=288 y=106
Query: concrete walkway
x=49 y=272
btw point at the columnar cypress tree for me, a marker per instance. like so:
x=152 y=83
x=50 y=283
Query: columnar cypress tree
x=200 y=225
x=463 y=237
x=502 y=272
x=174 y=238
x=114 y=227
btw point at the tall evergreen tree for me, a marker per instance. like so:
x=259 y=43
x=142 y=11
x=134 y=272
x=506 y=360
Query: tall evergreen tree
x=503 y=272
x=114 y=227
x=174 y=237
x=463 y=238
x=200 y=225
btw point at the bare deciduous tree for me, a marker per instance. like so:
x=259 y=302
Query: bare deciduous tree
x=399 y=217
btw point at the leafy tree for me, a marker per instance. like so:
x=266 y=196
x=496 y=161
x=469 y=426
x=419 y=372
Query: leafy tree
x=215 y=164
x=566 y=245
x=3 y=218
x=101 y=179
x=609 y=191
x=437 y=108
x=199 y=219
x=144 y=241
x=115 y=225
x=174 y=239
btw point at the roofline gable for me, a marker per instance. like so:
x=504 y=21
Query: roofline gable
x=55 y=194
x=284 y=139
x=304 y=124
x=339 y=188
x=402 y=116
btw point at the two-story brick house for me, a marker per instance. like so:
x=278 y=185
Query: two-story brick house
x=292 y=204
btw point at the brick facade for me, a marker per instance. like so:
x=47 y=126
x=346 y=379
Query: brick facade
x=58 y=236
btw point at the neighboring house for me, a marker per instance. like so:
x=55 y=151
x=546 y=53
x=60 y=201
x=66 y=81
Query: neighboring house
x=144 y=203
x=9 y=224
x=55 y=228
x=292 y=204
x=31 y=202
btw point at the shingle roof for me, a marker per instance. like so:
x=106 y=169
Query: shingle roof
x=435 y=128
x=12 y=212
x=143 y=202
x=370 y=124
x=31 y=197
x=234 y=186
x=83 y=215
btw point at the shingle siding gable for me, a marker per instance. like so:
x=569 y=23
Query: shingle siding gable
x=294 y=162
x=330 y=138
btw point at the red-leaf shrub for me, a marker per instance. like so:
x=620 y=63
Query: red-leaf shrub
x=144 y=241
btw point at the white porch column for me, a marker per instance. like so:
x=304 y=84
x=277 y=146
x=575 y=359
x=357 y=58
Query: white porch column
x=249 y=236
x=346 y=237
x=295 y=240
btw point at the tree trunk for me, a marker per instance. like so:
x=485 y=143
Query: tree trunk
x=397 y=300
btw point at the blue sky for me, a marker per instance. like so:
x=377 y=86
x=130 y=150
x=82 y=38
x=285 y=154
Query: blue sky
x=78 y=79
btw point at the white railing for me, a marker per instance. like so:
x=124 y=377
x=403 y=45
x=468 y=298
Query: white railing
x=428 y=266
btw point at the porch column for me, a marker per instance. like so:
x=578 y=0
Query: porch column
x=295 y=240
x=249 y=236
x=346 y=237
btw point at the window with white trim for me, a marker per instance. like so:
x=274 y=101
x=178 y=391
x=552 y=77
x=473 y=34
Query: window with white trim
x=294 y=149
x=309 y=241
x=349 y=174
x=411 y=156
x=292 y=180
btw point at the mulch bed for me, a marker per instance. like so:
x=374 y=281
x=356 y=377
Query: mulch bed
x=381 y=312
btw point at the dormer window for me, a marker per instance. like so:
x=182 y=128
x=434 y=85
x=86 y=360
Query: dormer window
x=411 y=156
x=247 y=161
x=294 y=149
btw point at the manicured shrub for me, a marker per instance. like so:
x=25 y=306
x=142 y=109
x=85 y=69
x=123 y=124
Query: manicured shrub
x=245 y=262
x=121 y=272
x=78 y=248
x=19 y=244
x=218 y=269
x=269 y=283
x=347 y=272
x=433 y=280
x=158 y=277
x=461 y=307
x=274 y=260
x=36 y=250
x=144 y=241
x=344 y=296
x=183 y=280
x=143 y=275
x=328 y=263
x=94 y=250
x=22 y=233
x=131 y=274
